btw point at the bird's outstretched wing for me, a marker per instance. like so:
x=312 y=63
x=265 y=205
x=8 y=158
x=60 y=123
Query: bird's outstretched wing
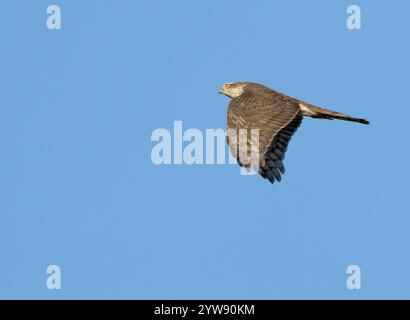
x=276 y=118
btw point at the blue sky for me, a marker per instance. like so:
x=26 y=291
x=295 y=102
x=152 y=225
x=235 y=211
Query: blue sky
x=78 y=187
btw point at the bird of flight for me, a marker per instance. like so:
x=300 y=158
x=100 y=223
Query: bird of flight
x=275 y=116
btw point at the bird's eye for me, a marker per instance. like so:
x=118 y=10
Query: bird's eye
x=227 y=86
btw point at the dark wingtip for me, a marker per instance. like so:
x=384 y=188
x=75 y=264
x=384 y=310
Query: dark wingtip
x=364 y=121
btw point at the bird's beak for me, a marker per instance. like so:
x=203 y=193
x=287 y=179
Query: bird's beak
x=221 y=90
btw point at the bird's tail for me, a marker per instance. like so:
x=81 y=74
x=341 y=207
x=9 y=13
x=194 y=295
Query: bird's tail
x=320 y=113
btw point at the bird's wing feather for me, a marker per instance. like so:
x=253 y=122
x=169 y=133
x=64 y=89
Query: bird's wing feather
x=273 y=167
x=276 y=118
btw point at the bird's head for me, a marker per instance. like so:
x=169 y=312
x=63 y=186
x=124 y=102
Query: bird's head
x=233 y=89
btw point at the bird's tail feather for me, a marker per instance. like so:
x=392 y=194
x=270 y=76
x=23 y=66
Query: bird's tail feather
x=321 y=113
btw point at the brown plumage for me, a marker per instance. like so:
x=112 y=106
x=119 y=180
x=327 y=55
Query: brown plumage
x=275 y=117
